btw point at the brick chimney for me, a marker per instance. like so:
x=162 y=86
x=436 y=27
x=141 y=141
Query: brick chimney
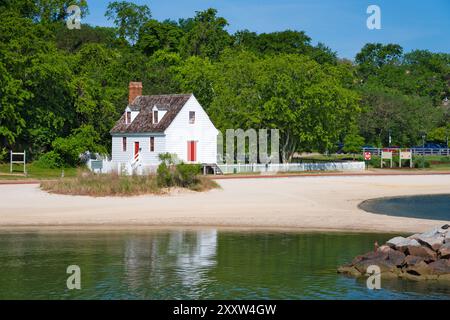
x=135 y=90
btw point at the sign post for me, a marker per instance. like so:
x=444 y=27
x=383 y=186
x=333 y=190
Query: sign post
x=406 y=155
x=386 y=155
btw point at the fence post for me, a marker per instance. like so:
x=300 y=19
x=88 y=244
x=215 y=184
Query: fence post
x=10 y=161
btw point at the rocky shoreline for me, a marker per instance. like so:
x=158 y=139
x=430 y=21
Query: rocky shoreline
x=424 y=256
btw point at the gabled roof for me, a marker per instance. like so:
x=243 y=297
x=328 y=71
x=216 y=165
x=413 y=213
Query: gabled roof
x=172 y=103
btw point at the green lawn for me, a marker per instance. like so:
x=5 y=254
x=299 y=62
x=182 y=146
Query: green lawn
x=34 y=172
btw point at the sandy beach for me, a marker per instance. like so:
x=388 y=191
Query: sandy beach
x=297 y=203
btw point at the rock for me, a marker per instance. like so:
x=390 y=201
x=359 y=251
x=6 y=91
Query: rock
x=418 y=269
x=384 y=249
x=431 y=233
x=444 y=250
x=439 y=267
x=350 y=270
x=424 y=256
x=401 y=243
x=413 y=260
x=396 y=241
x=424 y=252
x=382 y=263
x=396 y=257
x=372 y=255
x=432 y=242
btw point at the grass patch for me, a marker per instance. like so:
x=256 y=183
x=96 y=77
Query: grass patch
x=101 y=185
x=35 y=172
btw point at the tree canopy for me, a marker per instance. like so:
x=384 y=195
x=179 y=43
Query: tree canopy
x=62 y=90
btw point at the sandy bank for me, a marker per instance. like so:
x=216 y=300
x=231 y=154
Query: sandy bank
x=309 y=203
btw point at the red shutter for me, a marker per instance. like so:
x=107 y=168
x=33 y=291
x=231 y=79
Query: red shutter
x=194 y=150
x=189 y=153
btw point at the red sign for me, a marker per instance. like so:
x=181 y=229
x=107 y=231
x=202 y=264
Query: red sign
x=367 y=156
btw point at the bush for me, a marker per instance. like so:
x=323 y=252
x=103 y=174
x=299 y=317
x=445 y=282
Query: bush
x=82 y=139
x=3 y=154
x=186 y=175
x=421 y=163
x=49 y=160
x=164 y=176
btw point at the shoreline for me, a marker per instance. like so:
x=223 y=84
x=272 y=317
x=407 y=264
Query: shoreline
x=92 y=228
x=298 y=204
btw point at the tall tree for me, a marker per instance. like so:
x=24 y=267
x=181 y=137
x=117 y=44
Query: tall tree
x=206 y=35
x=155 y=35
x=128 y=17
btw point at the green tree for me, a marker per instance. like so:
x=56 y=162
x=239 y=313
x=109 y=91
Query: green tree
x=128 y=17
x=353 y=143
x=155 y=35
x=207 y=36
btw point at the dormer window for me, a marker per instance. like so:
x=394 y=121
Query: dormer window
x=128 y=117
x=155 y=116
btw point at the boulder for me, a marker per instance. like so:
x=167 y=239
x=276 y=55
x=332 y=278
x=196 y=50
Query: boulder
x=439 y=267
x=372 y=255
x=396 y=241
x=413 y=260
x=382 y=263
x=396 y=257
x=350 y=270
x=419 y=269
x=432 y=242
x=384 y=249
x=426 y=253
x=401 y=243
x=424 y=256
x=444 y=250
x=431 y=233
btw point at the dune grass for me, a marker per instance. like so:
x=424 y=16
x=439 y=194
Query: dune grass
x=101 y=185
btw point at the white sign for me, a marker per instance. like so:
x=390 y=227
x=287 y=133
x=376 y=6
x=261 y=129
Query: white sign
x=386 y=154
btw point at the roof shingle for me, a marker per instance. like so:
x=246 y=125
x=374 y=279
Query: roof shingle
x=143 y=122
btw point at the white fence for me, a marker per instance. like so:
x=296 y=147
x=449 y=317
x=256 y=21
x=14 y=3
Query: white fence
x=107 y=166
x=293 y=167
x=415 y=151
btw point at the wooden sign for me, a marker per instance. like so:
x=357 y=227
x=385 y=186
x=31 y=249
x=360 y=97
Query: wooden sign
x=405 y=155
x=386 y=155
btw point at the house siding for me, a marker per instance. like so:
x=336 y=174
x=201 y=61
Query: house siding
x=203 y=131
x=147 y=157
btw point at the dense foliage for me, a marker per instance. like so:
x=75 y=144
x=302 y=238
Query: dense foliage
x=62 y=90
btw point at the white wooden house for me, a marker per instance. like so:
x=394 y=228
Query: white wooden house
x=151 y=125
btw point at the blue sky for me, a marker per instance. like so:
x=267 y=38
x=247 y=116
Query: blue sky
x=340 y=24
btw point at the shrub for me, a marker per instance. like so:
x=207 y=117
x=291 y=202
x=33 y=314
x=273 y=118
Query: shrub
x=186 y=175
x=421 y=163
x=82 y=139
x=49 y=160
x=3 y=154
x=164 y=176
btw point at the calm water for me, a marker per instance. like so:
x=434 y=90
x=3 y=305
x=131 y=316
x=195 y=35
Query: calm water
x=193 y=265
x=425 y=206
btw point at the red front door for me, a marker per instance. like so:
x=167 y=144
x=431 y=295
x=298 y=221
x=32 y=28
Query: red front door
x=192 y=151
x=136 y=148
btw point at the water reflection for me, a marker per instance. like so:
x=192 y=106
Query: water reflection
x=190 y=255
x=203 y=264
